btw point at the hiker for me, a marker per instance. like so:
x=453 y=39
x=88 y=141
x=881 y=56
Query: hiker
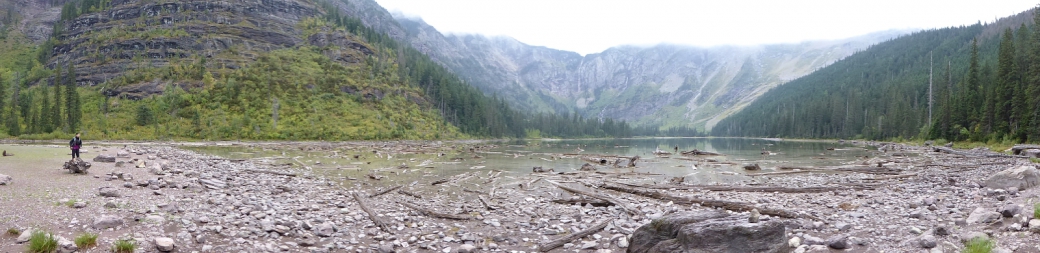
x=75 y=144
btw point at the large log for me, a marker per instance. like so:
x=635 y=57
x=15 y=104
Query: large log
x=434 y=214
x=969 y=154
x=728 y=205
x=603 y=197
x=546 y=247
x=1017 y=149
x=385 y=191
x=734 y=188
x=696 y=152
x=371 y=215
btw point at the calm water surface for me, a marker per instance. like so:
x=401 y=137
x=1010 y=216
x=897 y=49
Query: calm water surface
x=520 y=157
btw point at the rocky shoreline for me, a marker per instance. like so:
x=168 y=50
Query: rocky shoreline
x=167 y=198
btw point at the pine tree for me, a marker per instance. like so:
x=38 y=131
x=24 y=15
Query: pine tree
x=72 y=108
x=13 y=127
x=972 y=93
x=1033 y=81
x=3 y=92
x=1007 y=82
x=55 y=112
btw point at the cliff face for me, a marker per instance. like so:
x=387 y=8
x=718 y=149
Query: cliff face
x=668 y=85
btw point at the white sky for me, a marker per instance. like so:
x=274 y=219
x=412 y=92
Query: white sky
x=591 y=26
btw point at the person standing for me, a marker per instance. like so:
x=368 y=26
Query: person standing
x=75 y=144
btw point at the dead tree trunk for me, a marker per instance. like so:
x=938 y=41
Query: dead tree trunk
x=728 y=205
x=371 y=215
x=546 y=247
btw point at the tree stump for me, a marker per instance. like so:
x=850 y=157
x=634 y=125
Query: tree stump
x=77 y=166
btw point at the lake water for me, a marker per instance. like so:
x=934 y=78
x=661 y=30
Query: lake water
x=449 y=159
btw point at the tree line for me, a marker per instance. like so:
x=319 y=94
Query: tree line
x=958 y=83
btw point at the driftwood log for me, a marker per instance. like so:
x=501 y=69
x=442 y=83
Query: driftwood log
x=371 y=215
x=733 y=188
x=700 y=152
x=603 y=197
x=486 y=203
x=408 y=193
x=431 y=213
x=271 y=172
x=593 y=202
x=728 y=205
x=969 y=154
x=1017 y=149
x=546 y=247
x=385 y=191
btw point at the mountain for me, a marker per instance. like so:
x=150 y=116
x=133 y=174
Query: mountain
x=984 y=88
x=272 y=69
x=665 y=85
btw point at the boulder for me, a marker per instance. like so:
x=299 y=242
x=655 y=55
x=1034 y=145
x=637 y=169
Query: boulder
x=24 y=236
x=107 y=221
x=587 y=167
x=76 y=165
x=752 y=166
x=708 y=231
x=102 y=158
x=1010 y=210
x=838 y=242
x=123 y=154
x=1034 y=153
x=927 y=242
x=983 y=215
x=325 y=229
x=66 y=246
x=108 y=192
x=5 y=179
x=164 y=244
x=1021 y=177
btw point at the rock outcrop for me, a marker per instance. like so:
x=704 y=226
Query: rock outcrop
x=102 y=158
x=708 y=231
x=1021 y=177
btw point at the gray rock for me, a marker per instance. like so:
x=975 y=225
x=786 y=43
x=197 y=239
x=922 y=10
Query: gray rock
x=108 y=192
x=755 y=216
x=102 y=158
x=1023 y=177
x=5 y=179
x=708 y=231
x=838 y=242
x=1010 y=210
x=154 y=219
x=812 y=240
x=24 y=236
x=66 y=246
x=983 y=216
x=842 y=226
x=589 y=245
x=622 y=242
x=110 y=205
x=1035 y=153
x=107 y=221
x=968 y=236
x=941 y=230
x=927 y=241
x=164 y=244
x=325 y=229
x=123 y=154
x=1034 y=226
x=79 y=204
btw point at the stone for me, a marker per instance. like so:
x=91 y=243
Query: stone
x=927 y=241
x=983 y=216
x=1010 y=210
x=941 y=231
x=107 y=221
x=1034 y=153
x=5 y=179
x=842 y=226
x=110 y=205
x=1034 y=226
x=622 y=242
x=812 y=240
x=752 y=166
x=589 y=245
x=154 y=219
x=102 y=158
x=108 y=192
x=164 y=244
x=968 y=236
x=79 y=204
x=66 y=246
x=466 y=248
x=708 y=231
x=24 y=236
x=794 y=242
x=1022 y=177
x=123 y=154
x=838 y=242
x=755 y=216
x=325 y=229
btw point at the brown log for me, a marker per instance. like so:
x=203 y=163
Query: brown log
x=271 y=172
x=603 y=197
x=431 y=213
x=371 y=215
x=963 y=153
x=728 y=205
x=385 y=191
x=546 y=247
x=736 y=188
x=412 y=194
x=486 y=204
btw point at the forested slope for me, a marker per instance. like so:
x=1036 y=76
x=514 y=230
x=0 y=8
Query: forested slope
x=883 y=91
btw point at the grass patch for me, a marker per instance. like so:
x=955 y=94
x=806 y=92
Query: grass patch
x=978 y=245
x=124 y=246
x=13 y=232
x=1036 y=211
x=1034 y=160
x=42 y=242
x=86 y=240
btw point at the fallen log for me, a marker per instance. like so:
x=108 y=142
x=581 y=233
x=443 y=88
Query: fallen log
x=1017 y=149
x=969 y=154
x=786 y=167
x=583 y=202
x=733 y=188
x=486 y=204
x=696 y=152
x=385 y=191
x=271 y=172
x=431 y=213
x=606 y=198
x=728 y=205
x=892 y=177
x=780 y=173
x=371 y=215
x=408 y=193
x=546 y=247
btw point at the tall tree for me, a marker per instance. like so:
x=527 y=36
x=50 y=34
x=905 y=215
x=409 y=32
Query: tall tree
x=13 y=127
x=1007 y=83
x=55 y=112
x=72 y=108
x=972 y=93
x=1033 y=81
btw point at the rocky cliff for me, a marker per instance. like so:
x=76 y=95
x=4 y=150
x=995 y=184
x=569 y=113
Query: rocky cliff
x=669 y=85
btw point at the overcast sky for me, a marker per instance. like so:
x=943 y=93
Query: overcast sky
x=591 y=26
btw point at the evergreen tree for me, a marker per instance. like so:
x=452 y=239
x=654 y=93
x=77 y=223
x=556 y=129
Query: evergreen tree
x=55 y=112
x=1033 y=81
x=72 y=107
x=45 y=111
x=972 y=93
x=13 y=127
x=3 y=92
x=1007 y=83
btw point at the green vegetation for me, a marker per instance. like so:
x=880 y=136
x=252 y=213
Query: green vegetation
x=978 y=245
x=86 y=240
x=1036 y=211
x=42 y=242
x=883 y=92
x=124 y=246
x=13 y=232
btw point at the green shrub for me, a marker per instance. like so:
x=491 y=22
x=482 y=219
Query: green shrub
x=124 y=246
x=1036 y=211
x=86 y=240
x=42 y=242
x=14 y=232
x=978 y=245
